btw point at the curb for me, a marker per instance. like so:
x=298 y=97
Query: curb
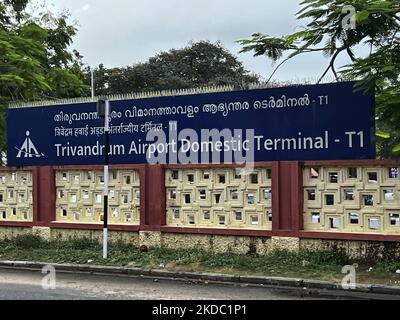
x=273 y=282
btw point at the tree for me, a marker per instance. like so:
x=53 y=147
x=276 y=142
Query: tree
x=332 y=29
x=199 y=64
x=12 y=9
x=34 y=61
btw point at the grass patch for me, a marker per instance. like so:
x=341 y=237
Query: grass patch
x=324 y=265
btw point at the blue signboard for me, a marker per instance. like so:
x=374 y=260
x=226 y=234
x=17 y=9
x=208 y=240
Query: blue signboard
x=311 y=122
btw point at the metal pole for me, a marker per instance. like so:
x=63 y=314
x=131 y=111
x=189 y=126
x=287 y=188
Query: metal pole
x=92 y=83
x=106 y=161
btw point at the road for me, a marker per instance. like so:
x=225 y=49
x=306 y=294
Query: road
x=27 y=285
x=19 y=284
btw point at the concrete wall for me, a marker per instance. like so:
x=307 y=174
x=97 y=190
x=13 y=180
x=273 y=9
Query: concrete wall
x=217 y=243
x=355 y=199
x=223 y=197
x=368 y=250
x=16 y=197
x=12 y=232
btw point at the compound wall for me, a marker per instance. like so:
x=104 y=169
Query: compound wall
x=293 y=205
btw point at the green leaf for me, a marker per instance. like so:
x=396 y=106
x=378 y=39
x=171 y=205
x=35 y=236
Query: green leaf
x=12 y=78
x=396 y=148
x=382 y=134
x=362 y=16
x=388 y=68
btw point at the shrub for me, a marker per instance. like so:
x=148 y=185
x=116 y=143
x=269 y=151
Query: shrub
x=337 y=256
x=78 y=243
x=29 y=241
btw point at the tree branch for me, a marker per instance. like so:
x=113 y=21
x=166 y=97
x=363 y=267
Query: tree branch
x=276 y=69
x=335 y=73
x=331 y=65
x=313 y=49
x=290 y=57
x=394 y=36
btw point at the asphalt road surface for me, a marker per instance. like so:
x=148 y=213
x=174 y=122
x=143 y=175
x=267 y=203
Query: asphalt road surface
x=27 y=285
x=19 y=284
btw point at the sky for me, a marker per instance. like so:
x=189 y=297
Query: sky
x=124 y=32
